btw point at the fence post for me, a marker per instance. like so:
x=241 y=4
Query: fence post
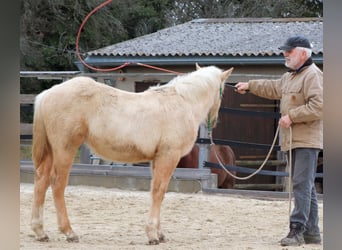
x=203 y=148
x=84 y=154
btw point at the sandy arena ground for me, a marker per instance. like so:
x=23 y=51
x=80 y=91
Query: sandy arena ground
x=114 y=219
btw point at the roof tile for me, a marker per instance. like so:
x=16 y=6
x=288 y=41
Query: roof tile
x=220 y=37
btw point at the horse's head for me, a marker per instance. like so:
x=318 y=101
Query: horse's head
x=218 y=84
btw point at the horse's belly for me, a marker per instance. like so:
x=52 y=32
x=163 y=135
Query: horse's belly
x=129 y=153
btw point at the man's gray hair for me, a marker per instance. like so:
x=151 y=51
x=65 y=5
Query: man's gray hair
x=308 y=51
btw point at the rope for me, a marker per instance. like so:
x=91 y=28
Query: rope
x=108 y=69
x=290 y=173
x=262 y=165
x=160 y=69
x=257 y=171
x=78 y=39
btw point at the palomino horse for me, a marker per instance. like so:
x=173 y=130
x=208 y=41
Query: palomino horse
x=226 y=156
x=159 y=125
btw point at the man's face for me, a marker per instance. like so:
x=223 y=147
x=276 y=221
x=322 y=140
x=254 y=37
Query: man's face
x=294 y=58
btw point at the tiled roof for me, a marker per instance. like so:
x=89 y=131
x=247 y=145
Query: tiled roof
x=220 y=37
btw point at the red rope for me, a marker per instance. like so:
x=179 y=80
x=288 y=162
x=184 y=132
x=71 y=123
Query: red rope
x=78 y=39
x=161 y=69
x=109 y=69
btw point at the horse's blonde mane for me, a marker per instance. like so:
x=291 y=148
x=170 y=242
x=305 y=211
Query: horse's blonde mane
x=191 y=85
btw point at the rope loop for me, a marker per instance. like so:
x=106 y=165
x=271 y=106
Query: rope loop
x=257 y=171
x=78 y=40
x=115 y=68
x=263 y=164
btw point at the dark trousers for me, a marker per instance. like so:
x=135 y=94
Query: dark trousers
x=305 y=211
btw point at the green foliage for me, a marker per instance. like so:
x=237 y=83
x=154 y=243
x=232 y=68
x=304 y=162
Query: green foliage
x=140 y=17
x=186 y=10
x=49 y=27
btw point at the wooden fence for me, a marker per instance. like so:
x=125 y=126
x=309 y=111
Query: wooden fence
x=26 y=128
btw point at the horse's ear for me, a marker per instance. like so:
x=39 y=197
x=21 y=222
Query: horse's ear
x=197 y=66
x=226 y=74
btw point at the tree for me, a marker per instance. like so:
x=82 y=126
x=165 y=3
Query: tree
x=49 y=27
x=186 y=10
x=141 y=17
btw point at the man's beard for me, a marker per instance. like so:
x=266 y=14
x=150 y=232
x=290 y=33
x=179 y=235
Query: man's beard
x=292 y=63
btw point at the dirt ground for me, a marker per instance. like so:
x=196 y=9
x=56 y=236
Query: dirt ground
x=114 y=219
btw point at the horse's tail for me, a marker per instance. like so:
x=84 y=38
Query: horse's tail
x=40 y=143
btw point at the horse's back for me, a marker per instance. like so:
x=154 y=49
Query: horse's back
x=80 y=86
x=79 y=95
x=226 y=154
x=190 y=160
x=227 y=157
x=64 y=110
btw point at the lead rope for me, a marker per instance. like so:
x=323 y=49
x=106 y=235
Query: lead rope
x=257 y=171
x=290 y=172
x=262 y=165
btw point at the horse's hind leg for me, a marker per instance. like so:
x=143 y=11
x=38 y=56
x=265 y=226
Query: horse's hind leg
x=162 y=170
x=41 y=184
x=59 y=180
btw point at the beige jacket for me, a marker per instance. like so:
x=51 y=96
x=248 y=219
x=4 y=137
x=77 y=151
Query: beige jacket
x=301 y=95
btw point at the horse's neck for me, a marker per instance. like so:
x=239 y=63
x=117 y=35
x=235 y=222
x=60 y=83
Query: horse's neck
x=201 y=101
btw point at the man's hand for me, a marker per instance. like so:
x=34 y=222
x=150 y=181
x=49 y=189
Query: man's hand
x=241 y=87
x=285 y=121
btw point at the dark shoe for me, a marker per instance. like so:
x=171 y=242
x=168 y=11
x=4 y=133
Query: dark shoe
x=312 y=238
x=295 y=236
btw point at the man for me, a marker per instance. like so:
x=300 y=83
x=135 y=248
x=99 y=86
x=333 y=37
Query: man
x=301 y=93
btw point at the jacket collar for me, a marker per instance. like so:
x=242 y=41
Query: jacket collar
x=307 y=63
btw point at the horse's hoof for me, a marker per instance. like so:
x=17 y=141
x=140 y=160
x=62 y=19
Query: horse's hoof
x=162 y=238
x=44 y=238
x=153 y=242
x=73 y=239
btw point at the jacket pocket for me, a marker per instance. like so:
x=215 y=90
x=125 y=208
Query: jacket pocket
x=293 y=97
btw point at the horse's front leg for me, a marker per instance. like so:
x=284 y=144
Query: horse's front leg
x=162 y=170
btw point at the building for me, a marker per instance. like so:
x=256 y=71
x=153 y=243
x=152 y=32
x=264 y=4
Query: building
x=250 y=45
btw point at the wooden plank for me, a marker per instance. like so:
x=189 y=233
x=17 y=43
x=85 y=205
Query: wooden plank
x=27 y=98
x=26 y=128
x=258 y=163
x=259 y=186
x=49 y=74
x=116 y=170
x=258 y=105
